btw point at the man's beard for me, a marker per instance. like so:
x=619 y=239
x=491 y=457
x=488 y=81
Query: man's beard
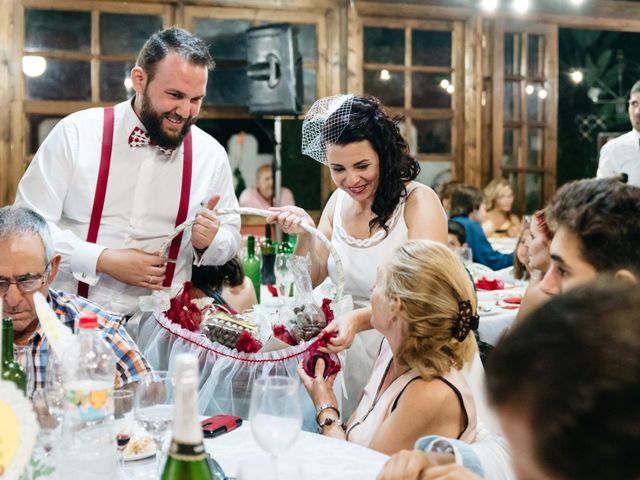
x=152 y=121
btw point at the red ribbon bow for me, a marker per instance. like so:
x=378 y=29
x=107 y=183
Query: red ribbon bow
x=140 y=138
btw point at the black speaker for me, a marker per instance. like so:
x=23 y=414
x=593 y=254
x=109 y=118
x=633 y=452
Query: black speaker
x=274 y=70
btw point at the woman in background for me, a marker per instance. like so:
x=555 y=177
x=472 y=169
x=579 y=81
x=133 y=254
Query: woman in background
x=500 y=221
x=226 y=284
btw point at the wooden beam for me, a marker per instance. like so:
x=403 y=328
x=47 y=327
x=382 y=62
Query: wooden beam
x=6 y=54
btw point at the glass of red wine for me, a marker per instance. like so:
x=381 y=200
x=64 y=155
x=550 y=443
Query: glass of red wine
x=124 y=420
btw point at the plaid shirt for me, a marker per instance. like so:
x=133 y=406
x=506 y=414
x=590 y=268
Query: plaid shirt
x=130 y=363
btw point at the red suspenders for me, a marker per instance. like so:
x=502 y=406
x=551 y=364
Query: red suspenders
x=101 y=189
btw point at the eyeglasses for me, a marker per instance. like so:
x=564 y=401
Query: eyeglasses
x=25 y=285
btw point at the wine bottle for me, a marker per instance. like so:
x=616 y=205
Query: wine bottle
x=285 y=245
x=11 y=369
x=268 y=250
x=187 y=456
x=251 y=266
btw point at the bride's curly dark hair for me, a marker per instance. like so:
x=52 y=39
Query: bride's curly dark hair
x=368 y=121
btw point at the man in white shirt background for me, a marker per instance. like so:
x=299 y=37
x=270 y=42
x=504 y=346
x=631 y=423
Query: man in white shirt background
x=114 y=183
x=622 y=154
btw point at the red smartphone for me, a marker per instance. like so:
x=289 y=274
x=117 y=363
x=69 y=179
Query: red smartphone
x=219 y=424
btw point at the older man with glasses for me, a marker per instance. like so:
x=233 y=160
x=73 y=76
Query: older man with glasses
x=28 y=264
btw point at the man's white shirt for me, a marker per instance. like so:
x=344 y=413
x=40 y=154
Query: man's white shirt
x=621 y=155
x=141 y=203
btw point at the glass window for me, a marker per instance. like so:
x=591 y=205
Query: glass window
x=533 y=192
x=62 y=80
x=512 y=110
x=227 y=86
x=57 y=30
x=512 y=53
x=511 y=147
x=536 y=100
x=126 y=33
x=388 y=88
x=112 y=81
x=225 y=37
x=434 y=174
x=307 y=41
x=431 y=90
x=310 y=85
x=384 y=45
x=535 y=56
x=39 y=128
x=536 y=147
x=434 y=136
x=431 y=48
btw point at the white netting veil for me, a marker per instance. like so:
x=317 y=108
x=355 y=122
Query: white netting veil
x=324 y=123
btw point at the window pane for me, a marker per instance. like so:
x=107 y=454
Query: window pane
x=384 y=45
x=57 y=30
x=511 y=146
x=434 y=136
x=307 y=41
x=55 y=82
x=431 y=48
x=533 y=192
x=112 y=77
x=310 y=85
x=536 y=100
x=390 y=92
x=512 y=53
x=39 y=128
x=536 y=147
x=126 y=33
x=512 y=108
x=429 y=90
x=535 y=56
x=224 y=37
x=227 y=86
x=434 y=174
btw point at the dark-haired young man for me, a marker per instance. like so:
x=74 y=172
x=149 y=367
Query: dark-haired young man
x=114 y=182
x=597 y=227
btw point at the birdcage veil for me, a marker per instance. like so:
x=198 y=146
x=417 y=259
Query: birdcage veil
x=323 y=125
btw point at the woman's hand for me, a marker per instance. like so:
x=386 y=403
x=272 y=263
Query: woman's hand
x=290 y=218
x=347 y=327
x=320 y=389
x=418 y=465
x=449 y=472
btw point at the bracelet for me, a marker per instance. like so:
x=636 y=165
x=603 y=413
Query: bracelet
x=321 y=408
x=328 y=421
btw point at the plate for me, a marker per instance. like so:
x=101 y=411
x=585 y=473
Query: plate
x=139 y=456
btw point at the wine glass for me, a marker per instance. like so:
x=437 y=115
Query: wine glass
x=24 y=356
x=123 y=415
x=154 y=408
x=275 y=416
x=284 y=275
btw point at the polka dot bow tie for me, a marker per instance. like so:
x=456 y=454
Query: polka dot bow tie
x=140 y=138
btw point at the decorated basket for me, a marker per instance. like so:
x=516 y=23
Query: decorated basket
x=226 y=375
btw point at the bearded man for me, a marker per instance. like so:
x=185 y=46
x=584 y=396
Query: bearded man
x=114 y=182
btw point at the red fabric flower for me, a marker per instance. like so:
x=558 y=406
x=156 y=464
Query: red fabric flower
x=272 y=290
x=281 y=333
x=183 y=312
x=486 y=284
x=311 y=356
x=248 y=343
x=326 y=309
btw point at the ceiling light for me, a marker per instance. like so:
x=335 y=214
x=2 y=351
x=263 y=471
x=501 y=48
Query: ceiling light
x=489 y=5
x=542 y=94
x=529 y=89
x=451 y=89
x=445 y=84
x=33 y=66
x=520 y=6
x=128 y=84
x=576 y=76
x=577 y=3
x=385 y=76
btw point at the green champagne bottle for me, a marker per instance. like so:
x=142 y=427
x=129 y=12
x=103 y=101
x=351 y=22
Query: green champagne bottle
x=11 y=369
x=187 y=457
x=268 y=249
x=285 y=245
x=251 y=265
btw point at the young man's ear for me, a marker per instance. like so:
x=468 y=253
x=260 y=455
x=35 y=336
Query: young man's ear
x=626 y=275
x=138 y=79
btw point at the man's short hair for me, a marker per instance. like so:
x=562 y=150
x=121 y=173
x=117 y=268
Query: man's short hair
x=573 y=366
x=173 y=39
x=18 y=220
x=457 y=229
x=635 y=88
x=604 y=214
x=464 y=200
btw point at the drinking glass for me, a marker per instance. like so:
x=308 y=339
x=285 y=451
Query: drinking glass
x=23 y=355
x=49 y=418
x=154 y=408
x=123 y=415
x=275 y=416
x=284 y=275
x=466 y=256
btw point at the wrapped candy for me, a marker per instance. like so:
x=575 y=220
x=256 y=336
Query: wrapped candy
x=183 y=312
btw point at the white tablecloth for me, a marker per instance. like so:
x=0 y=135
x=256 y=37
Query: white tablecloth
x=319 y=457
x=495 y=322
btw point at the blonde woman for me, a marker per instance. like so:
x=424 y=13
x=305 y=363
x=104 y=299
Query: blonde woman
x=423 y=303
x=500 y=221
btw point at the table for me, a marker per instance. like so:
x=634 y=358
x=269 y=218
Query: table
x=494 y=323
x=318 y=456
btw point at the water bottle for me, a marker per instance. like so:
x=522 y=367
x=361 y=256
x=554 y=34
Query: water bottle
x=88 y=431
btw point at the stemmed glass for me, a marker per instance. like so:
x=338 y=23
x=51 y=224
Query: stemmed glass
x=123 y=414
x=275 y=416
x=284 y=275
x=154 y=408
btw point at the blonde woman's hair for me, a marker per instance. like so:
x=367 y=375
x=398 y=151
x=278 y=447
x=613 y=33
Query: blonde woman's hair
x=429 y=282
x=493 y=190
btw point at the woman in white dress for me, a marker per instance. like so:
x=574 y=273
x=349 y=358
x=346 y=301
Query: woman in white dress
x=376 y=207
